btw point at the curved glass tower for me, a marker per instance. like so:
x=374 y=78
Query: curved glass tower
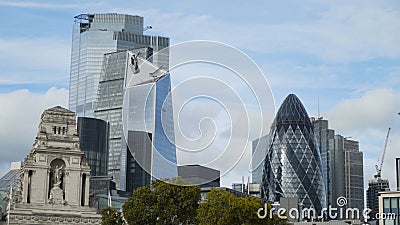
x=292 y=166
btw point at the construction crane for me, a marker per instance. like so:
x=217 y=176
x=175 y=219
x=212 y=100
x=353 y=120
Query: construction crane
x=379 y=167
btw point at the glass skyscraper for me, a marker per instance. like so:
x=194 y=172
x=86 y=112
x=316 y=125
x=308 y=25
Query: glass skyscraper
x=346 y=172
x=93 y=135
x=324 y=137
x=259 y=150
x=354 y=174
x=293 y=166
x=151 y=131
x=342 y=166
x=109 y=104
x=95 y=35
x=148 y=123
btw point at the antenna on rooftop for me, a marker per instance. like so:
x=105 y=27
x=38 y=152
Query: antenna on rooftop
x=319 y=112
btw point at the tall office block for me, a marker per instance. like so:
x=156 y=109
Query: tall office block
x=259 y=150
x=374 y=187
x=93 y=134
x=109 y=104
x=95 y=35
x=342 y=165
x=354 y=174
x=137 y=155
x=293 y=166
x=149 y=120
x=347 y=172
x=324 y=135
x=337 y=168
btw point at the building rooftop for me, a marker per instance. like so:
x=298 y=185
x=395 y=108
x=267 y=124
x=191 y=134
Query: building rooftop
x=292 y=110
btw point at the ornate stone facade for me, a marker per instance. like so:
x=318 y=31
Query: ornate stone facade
x=54 y=187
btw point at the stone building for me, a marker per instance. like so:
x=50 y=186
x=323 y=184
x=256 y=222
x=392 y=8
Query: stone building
x=54 y=185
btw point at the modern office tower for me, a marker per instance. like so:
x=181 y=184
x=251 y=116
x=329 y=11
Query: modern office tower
x=93 y=134
x=337 y=169
x=347 y=172
x=149 y=122
x=398 y=173
x=353 y=174
x=259 y=150
x=109 y=104
x=148 y=112
x=324 y=135
x=200 y=175
x=293 y=164
x=95 y=35
x=374 y=187
x=137 y=174
x=342 y=166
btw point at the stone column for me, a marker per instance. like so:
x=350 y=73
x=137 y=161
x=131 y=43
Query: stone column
x=66 y=181
x=47 y=188
x=25 y=187
x=87 y=190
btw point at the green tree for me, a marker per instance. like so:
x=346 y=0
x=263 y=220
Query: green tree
x=110 y=216
x=170 y=201
x=223 y=208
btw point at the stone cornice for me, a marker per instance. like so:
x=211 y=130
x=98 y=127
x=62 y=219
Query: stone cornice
x=51 y=219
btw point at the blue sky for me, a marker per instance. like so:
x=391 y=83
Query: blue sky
x=346 y=53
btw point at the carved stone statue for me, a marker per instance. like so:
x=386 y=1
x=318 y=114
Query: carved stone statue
x=56 y=193
x=57 y=175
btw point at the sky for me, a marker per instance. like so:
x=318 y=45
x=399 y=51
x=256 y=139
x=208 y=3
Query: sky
x=343 y=54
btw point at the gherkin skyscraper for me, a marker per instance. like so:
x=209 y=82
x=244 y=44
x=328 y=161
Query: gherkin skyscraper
x=292 y=165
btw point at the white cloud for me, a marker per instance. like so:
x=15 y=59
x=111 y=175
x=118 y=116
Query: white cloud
x=20 y=116
x=340 y=34
x=375 y=109
x=367 y=119
x=34 y=60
